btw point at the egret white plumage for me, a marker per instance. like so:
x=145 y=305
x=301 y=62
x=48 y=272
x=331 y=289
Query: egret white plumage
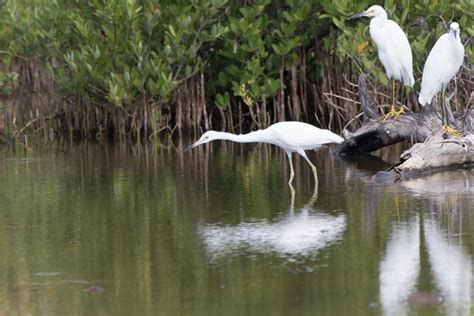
x=393 y=48
x=442 y=64
x=290 y=136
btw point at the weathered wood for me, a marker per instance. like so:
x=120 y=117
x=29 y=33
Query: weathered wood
x=468 y=120
x=368 y=108
x=434 y=149
x=436 y=153
x=375 y=134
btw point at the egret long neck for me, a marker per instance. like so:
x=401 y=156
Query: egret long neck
x=382 y=15
x=252 y=137
x=456 y=35
x=379 y=20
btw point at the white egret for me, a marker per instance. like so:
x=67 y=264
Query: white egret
x=442 y=64
x=290 y=136
x=393 y=48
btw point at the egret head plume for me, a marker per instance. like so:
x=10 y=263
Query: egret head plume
x=373 y=11
x=454 y=27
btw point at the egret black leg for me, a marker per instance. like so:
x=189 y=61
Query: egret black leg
x=393 y=113
x=402 y=94
x=444 y=116
x=393 y=95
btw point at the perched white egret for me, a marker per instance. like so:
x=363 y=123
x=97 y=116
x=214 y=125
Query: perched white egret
x=393 y=48
x=442 y=64
x=290 y=136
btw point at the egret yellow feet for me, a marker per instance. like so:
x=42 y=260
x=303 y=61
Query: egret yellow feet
x=452 y=131
x=393 y=113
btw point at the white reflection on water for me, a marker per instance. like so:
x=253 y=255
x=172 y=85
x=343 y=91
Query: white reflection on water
x=301 y=233
x=442 y=183
x=400 y=268
x=451 y=267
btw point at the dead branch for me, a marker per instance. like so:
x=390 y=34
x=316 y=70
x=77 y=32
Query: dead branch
x=433 y=149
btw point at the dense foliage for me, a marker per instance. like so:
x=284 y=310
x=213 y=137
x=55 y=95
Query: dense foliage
x=138 y=66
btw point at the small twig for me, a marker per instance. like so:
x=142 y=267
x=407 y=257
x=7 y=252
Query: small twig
x=352 y=120
x=355 y=85
x=341 y=97
x=31 y=122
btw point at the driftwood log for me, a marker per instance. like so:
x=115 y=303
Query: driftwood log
x=433 y=150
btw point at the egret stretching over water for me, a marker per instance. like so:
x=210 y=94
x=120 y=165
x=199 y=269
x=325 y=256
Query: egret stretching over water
x=290 y=136
x=442 y=64
x=393 y=48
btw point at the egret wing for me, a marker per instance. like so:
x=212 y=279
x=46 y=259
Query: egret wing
x=295 y=136
x=432 y=71
x=401 y=47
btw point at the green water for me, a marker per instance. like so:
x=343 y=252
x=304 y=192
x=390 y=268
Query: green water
x=152 y=230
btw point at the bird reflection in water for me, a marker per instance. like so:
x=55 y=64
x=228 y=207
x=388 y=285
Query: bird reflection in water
x=451 y=267
x=447 y=260
x=400 y=268
x=299 y=234
x=440 y=186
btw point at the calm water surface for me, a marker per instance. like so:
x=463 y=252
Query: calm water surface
x=151 y=230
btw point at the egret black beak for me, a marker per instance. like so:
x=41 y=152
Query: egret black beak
x=191 y=146
x=195 y=144
x=358 y=15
